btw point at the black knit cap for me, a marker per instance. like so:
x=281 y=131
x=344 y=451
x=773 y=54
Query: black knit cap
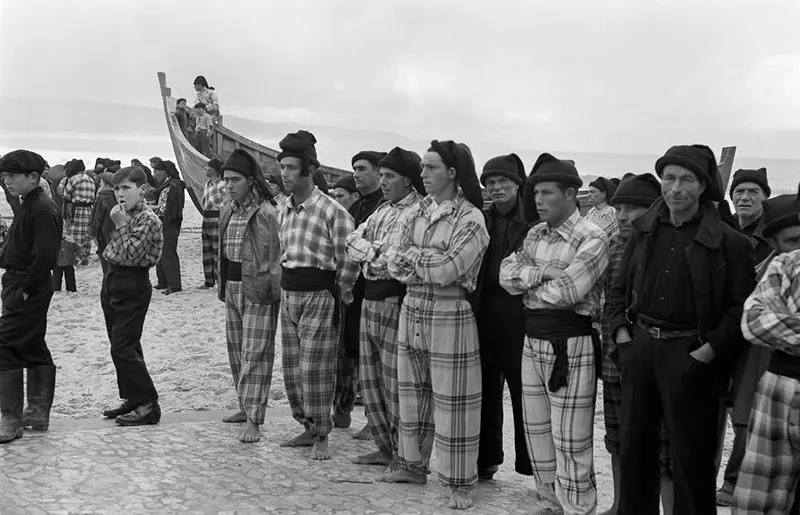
x=637 y=190
x=201 y=80
x=372 y=156
x=603 y=184
x=700 y=160
x=406 y=163
x=216 y=164
x=99 y=161
x=779 y=213
x=22 y=161
x=509 y=166
x=459 y=156
x=549 y=168
x=73 y=167
x=242 y=162
x=756 y=176
x=300 y=145
x=347 y=183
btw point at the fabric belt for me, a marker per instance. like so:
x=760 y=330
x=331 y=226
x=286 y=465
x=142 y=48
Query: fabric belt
x=211 y=213
x=234 y=270
x=381 y=289
x=784 y=364
x=312 y=279
x=128 y=269
x=666 y=334
x=83 y=204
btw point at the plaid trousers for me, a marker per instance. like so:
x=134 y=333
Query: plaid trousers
x=250 y=329
x=439 y=384
x=559 y=425
x=209 y=235
x=768 y=478
x=310 y=348
x=612 y=408
x=78 y=229
x=378 y=367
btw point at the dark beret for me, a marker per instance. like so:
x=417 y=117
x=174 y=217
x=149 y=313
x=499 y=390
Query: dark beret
x=372 y=156
x=700 y=160
x=346 y=183
x=300 y=145
x=755 y=176
x=407 y=164
x=22 y=161
x=509 y=166
x=549 y=168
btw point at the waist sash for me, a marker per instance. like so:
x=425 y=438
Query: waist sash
x=784 y=364
x=383 y=288
x=312 y=279
x=234 y=270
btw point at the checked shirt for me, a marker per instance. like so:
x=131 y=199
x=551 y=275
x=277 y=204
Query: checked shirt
x=139 y=242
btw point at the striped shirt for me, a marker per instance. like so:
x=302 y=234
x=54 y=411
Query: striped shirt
x=213 y=195
x=79 y=188
x=578 y=248
x=314 y=234
x=139 y=242
x=615 y=253
x=234 y=234
x=772 y=312
x=605 y=218
x=382 y=230
x=440 y=245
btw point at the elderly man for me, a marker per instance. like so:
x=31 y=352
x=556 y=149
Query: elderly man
x=345 y=192
x=674 y=314
x=559 y=270
x=601 y=191
x=749 y=189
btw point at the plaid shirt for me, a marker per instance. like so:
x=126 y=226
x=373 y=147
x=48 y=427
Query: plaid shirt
x=578 y=248
x=137 y=243
x=441 y=244
x=234 y=234
x=314 y=234
x=615 y=253
x=213 y=195
x=382 y=230
x=79 y=188
x=45 y=185
x=605 y=218
x=772 y=312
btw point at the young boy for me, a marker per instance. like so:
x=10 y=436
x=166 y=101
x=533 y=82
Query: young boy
x=65 y=266
x=134 y=247
x=203 y=124
x=184 y=116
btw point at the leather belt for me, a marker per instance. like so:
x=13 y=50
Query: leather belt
x=666 y=334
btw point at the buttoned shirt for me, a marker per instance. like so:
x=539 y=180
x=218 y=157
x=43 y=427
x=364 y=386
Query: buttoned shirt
x=368 y=244
x=234 y=235
x=139 y=242
x=605 y=218
x=213 y=195
x=616 y=251
x=578 y=248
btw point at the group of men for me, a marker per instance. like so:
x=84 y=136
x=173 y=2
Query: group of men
x=450 y=301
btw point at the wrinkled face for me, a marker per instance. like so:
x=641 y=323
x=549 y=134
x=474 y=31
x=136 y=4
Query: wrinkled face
x=344 y=197
x=238 y=185
x=395 y=187
x=290 y=173
x=626 y=215
x=787 y=239
x=366 y=176
x=20 y=183
x=747 y=198
x=596 y=196
x=436 y=176
x=128 y=193
x=554 y=206
x=681 y=188
x=502 y=190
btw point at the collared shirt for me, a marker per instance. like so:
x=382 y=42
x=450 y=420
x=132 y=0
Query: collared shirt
x=577 y=247
x=441 y=244
x=616 y=250
x=772 y=312
x=202 y=121
x=605 y=218
x=367 y=245
x=213 y=195
x=79 y=188
x=234 y=234
x=314 y=234
x=139 y=242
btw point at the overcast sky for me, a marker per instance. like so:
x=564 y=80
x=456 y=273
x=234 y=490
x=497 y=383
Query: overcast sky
x=617 y=76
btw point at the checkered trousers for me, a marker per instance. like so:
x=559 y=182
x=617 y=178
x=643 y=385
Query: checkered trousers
x=310 y=348
x=559 y=425
x=378 y=369
x=612 y=409
x=770 y=471
x=439 y=384
x=78 y=229
x=209 y=235
x=250 y=329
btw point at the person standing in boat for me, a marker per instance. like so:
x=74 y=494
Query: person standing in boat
x=208 y=97
x=171 y=198
x=213 y=197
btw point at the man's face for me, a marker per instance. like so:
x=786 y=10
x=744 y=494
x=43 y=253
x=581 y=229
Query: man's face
x=128 y=194
x=237 y=184
x=21 y=183
x=596 y=196
x=553 y=205
x=436 y=176
x=366 y=176
x=786 y=240
x=747 y=198
x=681 y=188
x=395 y=187
x=290 y=173
x=502 y=190
x=626 y=215
x=344 y=197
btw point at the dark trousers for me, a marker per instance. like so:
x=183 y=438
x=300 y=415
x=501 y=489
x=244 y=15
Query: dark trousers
x=347 y=364
x=23 y=325
x=168 y=269
x=125 y=298
x=737 y=453
x=660 y=379
x=68 y=272
x=501 y=329
x=201 y=143
x=104 y=266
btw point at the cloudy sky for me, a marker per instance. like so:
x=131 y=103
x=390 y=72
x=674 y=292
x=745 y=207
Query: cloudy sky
x=616 y=76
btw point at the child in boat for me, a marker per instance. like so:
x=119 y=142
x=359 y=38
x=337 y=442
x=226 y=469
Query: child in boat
x=202 y=129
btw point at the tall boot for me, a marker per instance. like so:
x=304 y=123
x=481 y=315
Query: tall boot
x=11 y=400
x=41 y=387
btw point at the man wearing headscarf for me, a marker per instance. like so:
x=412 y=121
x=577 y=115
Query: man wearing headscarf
x=213 y=197
x=438 y=360
x=559 y=270
x=171 y=195
x=401 y=184
x=78 y=192
x=601 y=191
x=316 y=276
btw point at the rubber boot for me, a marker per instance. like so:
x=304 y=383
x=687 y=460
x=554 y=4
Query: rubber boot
x=41 y=387
x=11 y=400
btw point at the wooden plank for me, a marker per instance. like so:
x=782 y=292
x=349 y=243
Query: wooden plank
x=725 y=166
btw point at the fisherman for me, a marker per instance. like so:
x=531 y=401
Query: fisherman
x=101 y=226
x=213 y=197
x=29 y=254
x=401 y=184
x=769 y=477
x=316 y=277
x=133 y=248
x=749 y=189
x=78 y=192
x=345 y=192
x=438 y=360
x=601 y=191
x=674 y=313
x=250 y=287
x=500 y=317
x=559 y=270
x=171 y=198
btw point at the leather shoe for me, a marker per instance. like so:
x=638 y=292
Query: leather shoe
x=147 y=413
x=124 y=408
x=170 y=291
x=160 y=287
x=488 y=473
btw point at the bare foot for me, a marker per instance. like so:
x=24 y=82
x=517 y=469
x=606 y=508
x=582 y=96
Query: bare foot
x=320 y=451
x=235 y=418
x=374 y=458
x=303 y=440
x=394 y=465
x=404 y=476
x=364 y=434
x=460 y=499
x=251 y=434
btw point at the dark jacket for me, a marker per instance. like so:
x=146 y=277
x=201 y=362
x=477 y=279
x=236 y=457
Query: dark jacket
x=365 y=206
x=722 y=269
x=175 y=200
x=101 y=226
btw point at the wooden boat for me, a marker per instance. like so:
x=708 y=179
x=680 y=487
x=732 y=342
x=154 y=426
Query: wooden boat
x=192 y=164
